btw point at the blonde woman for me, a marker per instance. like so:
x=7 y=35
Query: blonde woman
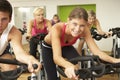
x=36 y=26
x=93 y=24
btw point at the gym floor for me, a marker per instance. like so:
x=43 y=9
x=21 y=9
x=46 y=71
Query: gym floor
x=105 y=77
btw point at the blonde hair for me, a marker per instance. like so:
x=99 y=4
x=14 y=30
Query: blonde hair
x=37 y=10
x=92 y=13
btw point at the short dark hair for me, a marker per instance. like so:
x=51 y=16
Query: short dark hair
x=55 y=15
x=5 y=6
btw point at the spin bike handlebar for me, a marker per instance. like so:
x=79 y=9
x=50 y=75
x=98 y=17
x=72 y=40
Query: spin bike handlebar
x=40 y=36
x=22 y=68
x=111 y=68
x=97 y=36
x=37 y=38
x=22 y=31
x=97 y=68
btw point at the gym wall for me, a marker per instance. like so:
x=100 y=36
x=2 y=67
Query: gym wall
x=63 y=11
x=107 y=12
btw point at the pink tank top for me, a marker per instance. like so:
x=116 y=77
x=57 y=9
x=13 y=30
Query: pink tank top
x=36 y=31
x=62 y=38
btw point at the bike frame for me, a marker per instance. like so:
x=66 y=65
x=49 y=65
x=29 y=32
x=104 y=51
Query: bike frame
x=42 y=74
x=116 y=50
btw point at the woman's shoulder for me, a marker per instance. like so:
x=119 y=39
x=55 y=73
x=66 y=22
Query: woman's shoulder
x=60 y=24
x=46 y=20
x=31 y=21
x=57 y=27
x=96 y=21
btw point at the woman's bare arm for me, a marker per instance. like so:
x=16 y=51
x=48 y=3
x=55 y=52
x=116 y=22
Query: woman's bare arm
x=96 y=51
x=29 y=28
x=56 y=46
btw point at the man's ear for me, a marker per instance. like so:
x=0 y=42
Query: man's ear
x=10 y=20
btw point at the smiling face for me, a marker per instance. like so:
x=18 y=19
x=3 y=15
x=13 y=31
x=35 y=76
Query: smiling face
x=77 y=26
x=4 y=20
x=77 y=21
x=91 y=19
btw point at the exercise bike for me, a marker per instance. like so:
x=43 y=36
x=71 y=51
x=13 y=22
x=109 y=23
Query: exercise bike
x=97 y=36
x=116 y=44
x=97 y=69
x=39 y=38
